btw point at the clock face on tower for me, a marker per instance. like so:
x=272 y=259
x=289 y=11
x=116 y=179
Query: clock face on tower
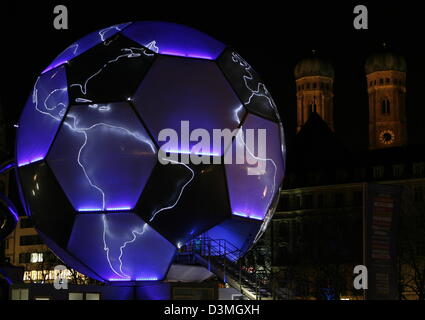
x=386 y=136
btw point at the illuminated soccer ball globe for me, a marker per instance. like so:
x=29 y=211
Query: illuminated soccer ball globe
x=88 y=150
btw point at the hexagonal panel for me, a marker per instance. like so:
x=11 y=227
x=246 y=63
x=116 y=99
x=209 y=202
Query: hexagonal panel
x=108 y=72
x=248 y=85
x=50 y=209
x=174 y=39
x=254 y=168
x=179 y=202
x=102 y=157
x=120 y=247
x=42 y=116
x=179 y=89
x=85 y=43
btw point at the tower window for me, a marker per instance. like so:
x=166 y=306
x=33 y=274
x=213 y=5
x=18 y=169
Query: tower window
x=308 y=85
x=314 y=85
x=321 y=85
x=370 y=84
x=381 y=81
x=386 y=106
x=378 y=172
x=398 y=170
x=312 y=108
x=387 y=80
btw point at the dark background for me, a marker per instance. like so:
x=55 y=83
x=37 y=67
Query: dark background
x=271 y=35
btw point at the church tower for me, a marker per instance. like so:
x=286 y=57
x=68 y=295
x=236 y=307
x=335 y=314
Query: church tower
x=386 y=82
x=314 y=80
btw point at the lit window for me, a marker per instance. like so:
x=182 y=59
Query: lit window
x=36 y=257
x=92 y=296
x=75 y=296
x=20 y=294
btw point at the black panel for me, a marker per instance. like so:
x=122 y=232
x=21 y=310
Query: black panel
x=203 y=204
x=248 y=85
x=238 y=232
x=110 y=71
x=7 y=220
x=50 y=209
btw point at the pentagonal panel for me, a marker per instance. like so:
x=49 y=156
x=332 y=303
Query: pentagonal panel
x=238 y=232
x=110 y=71
x=120 y=246
x=42 y=116
x=254 y=168
x=84 y=44
x=50 y=209
x=180 y=202
x=248 y=85
x=102 y=157
x=189 y=90
x=174 y=39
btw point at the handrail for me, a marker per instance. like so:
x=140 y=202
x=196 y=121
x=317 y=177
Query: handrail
x=222 y=253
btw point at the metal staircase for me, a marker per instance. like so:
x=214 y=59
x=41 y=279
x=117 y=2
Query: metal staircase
x=225 y=260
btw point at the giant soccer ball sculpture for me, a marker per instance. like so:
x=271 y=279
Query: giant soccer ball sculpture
x=88 y=150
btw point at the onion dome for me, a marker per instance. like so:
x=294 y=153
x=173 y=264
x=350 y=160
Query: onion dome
x=384 y=61
x=313 y=66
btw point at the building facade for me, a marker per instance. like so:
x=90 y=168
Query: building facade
x=317 y=231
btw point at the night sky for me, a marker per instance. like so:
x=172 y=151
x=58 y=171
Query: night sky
x=271 y=37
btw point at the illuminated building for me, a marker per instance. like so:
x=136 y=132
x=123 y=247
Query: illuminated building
x=317 y=231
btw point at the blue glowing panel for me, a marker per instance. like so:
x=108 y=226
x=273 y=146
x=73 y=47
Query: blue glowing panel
x=120 y=247
x=42 y=116
x=238 y=233
x=254 y=167
x=102 y=157
x=196 y=93
x=174 y=39
x=85 y=43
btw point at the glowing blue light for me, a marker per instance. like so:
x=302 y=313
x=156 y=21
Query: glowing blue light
x=7 y=167
x=107 y=209
x=137 y=279
x=118 y=209
x=15 y=215
x=246 y=215
x=89 y=209
x=187 y=55
x=30 y=161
